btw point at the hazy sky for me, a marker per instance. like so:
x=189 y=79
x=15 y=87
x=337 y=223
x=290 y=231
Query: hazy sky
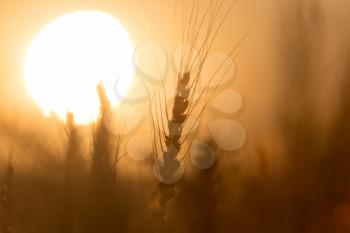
x=20 y=20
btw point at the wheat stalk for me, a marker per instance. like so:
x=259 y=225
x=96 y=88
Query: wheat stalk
x=169 y=137
x=101 y=179
x=74 y=172
x=6 y=201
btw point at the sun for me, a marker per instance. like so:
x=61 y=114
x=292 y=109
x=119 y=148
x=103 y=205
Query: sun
x=69 y=57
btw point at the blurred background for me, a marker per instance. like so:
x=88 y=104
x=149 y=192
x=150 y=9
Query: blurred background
x=291 y=175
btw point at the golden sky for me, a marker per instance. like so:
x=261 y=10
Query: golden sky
x=154 y=20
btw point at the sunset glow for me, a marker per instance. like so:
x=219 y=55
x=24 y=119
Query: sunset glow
x=70 y=56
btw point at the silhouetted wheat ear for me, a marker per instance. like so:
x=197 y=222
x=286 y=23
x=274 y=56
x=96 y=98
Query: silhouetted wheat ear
x=175 y=125
x=171 y=163
x=172 y=140
x=173 y=157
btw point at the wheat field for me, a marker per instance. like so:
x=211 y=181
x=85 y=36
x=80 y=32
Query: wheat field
x=240 y=122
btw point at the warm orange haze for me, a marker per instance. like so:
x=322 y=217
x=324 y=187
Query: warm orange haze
x=208 y=116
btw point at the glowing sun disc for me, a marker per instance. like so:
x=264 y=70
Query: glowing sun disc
x=70 y=56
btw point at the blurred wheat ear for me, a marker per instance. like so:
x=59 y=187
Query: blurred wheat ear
x=102 y=177
x=74 y=178
x=7 y=199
